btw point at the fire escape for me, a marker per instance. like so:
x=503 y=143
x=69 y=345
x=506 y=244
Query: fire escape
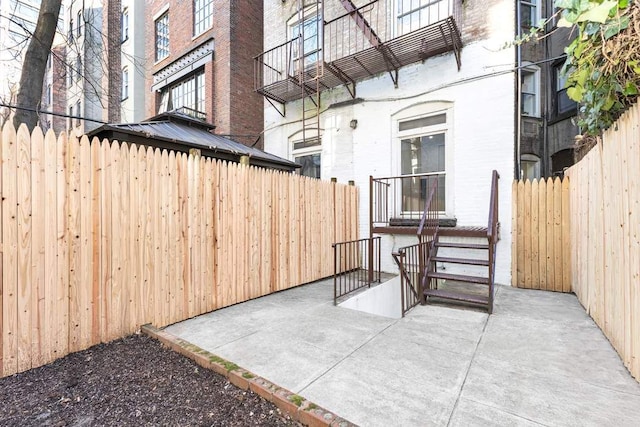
x=363 y=42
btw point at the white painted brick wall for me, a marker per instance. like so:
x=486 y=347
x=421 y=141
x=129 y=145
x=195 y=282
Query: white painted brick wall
x=480 y=138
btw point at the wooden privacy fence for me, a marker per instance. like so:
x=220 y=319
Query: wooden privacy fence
x=605 y=235
x=100 y=238
x=541 y=251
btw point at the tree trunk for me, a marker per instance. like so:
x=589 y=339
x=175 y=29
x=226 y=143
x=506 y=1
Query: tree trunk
x=35 y=64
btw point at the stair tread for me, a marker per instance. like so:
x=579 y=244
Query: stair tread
x=462 y=245
x=467 y=261
x=458 y=296
x=458 y=277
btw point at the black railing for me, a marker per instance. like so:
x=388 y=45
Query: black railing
x=391 y=36
x=415 y=261
x=493 y=234
x=356 y=264
x=411 y=261
x=401 y=200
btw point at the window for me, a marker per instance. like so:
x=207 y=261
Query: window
x=70 y=73
x=529 y=89
x=48 y=95
x=202 y=16
x=563 y=104
x=70 y=35
x=162 y=37
x=125 y=83
x=78 y=113
x=415 y=14
x=79 y=24
x=78 y=68
x=70 y=123
x=310 y=32
x=529 y=166
x=188 y=93
x=422 y=152
x=306 y=153
x=125 y=24
x=529 y=14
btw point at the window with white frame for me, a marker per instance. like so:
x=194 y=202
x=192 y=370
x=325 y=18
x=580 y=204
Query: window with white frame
x=422 y=160
x=202 y=16
x=162 y=36
x=529 y=13
x=307 y=36
x=529 y=166
x=307 y=153
x=530 y=92
x=125 y=24
x=412 y=15
x=125 y=83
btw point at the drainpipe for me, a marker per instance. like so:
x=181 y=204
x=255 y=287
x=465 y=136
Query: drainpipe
x=518 y=115
x=546 y=167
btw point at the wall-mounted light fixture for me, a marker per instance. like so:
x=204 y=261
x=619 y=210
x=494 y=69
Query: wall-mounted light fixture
x=353 y=124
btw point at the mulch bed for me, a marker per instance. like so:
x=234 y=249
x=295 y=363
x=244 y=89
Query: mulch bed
x=131 y=381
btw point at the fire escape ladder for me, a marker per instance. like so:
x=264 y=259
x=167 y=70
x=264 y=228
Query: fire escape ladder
x=372 y=37
x=310 y=66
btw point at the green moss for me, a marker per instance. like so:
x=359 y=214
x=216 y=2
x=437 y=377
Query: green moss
x=229 y=366
x=216 y=359
x=311 y=406
x=297 y=400
x=247 y=375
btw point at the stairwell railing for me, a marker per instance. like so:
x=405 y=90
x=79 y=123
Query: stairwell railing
x=415 y=260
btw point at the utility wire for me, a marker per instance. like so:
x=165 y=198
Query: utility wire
x=38 y=111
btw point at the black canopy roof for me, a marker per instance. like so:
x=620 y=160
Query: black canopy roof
x=180 y=132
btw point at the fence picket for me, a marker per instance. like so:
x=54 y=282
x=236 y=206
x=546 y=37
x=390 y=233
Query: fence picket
x=50 y=216
x=38 y=295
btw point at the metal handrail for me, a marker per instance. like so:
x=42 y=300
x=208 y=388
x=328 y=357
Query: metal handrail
x=356 y=264
x=492 y=234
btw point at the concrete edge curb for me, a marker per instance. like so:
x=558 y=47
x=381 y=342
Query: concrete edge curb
x=297 y=407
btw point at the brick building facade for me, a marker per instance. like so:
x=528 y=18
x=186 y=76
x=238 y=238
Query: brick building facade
x=200 y=56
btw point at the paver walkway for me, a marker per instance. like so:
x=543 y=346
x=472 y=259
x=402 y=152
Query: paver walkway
x=538 y=360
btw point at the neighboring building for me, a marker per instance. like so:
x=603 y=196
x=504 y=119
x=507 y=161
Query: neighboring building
x=396 y=89
x=200 y=58
x=17 y=21
x=133 y=61
x=546 y=114
x=54 y=96
x=93 y=63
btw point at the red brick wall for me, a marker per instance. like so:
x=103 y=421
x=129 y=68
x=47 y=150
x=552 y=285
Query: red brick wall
x=59 y=89
x=112 y=81
x=232 y=105
x=246 y=106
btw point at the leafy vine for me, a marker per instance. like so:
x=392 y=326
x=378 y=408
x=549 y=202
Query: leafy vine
x=603 y=61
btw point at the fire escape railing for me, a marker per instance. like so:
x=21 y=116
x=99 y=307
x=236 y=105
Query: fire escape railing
x=353 y=41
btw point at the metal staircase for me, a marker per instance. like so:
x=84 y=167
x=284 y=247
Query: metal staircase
x=425 y=270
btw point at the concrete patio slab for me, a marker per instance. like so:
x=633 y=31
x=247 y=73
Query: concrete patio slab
x=538 y=360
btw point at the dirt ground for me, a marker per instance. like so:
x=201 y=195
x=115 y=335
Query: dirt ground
x=132 y=381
